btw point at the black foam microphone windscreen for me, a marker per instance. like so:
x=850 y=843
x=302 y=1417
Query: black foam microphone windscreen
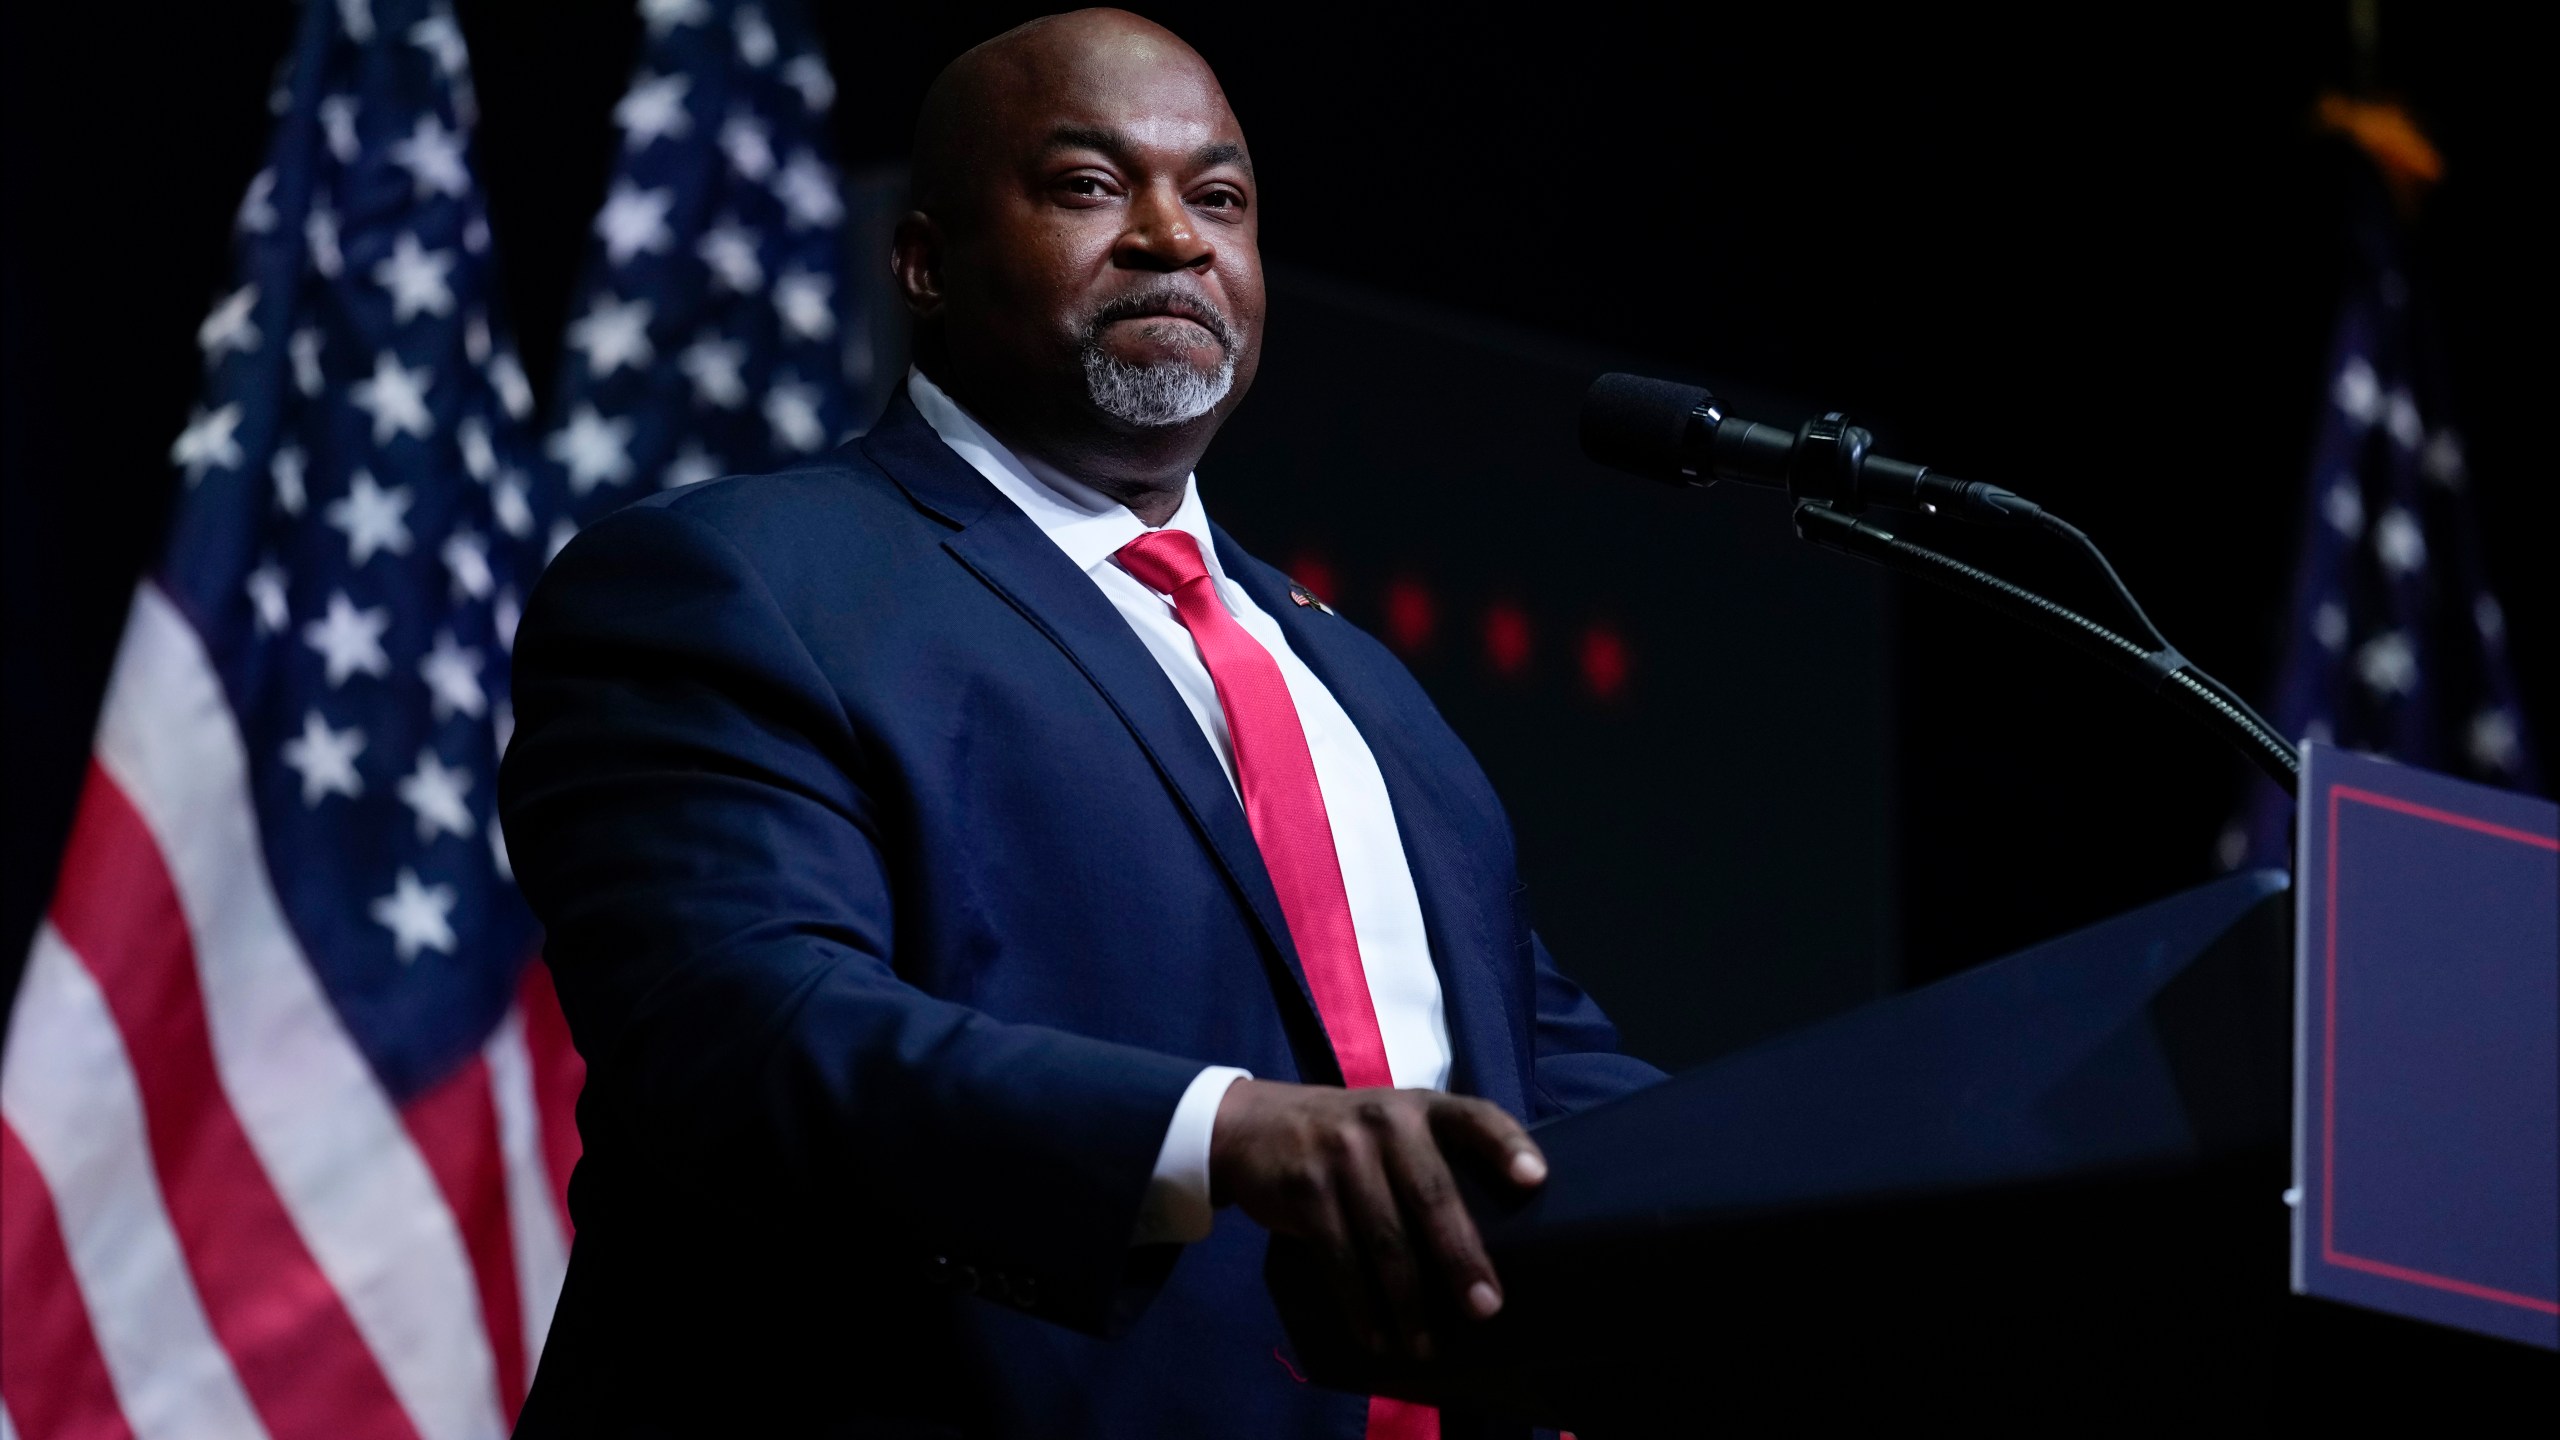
x=1633 y=423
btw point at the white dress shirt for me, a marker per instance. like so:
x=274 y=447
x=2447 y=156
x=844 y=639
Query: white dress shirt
x=1386 y=912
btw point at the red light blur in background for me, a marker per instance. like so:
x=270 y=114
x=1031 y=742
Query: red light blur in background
x=1604 y=663
x=1506 y=639
x=1411 y=615
x=1314 y=572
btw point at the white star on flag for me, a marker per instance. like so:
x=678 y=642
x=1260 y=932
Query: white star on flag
x=320 y=231
x=417 y=915
x=338 y=128
x=357 y=16
x=808 y=192
x=434 y=156
x=653 y=111
x=286 y=469
x=505 y=613
x=2358 y=392
x=436 y=795
x=266 y=596
x=396 y=398
x=2329 y=625
x=415 y=276
x=633 y=222
x=307 y=377
x=325 y=759
x=713 y=365
x=2400 y=543
x=749 y=147
x=228 y=328
x=2493 y=741
x=731 y=253
x=791 y=410
x=2388 y=664
x=514 y=391
x=613 y=334
x=257 y=208
x=801 y=299
x=596 y=450
x=508 y=502
x=666 y=15
x=349 y=640
x=808 y=75
x=2441 y=461
x=442 y=40
x=479 y=456
x=2343 y=507
x=2490 y=617
x=692 y=466
x=2403 y=421
x=452 y=673
x=208 y=442
x=466 y=559
x=756 y=42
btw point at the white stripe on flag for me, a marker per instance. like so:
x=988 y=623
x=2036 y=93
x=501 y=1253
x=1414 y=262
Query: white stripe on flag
x=542 y=1252
x=68 y=1089
x=328 y=1137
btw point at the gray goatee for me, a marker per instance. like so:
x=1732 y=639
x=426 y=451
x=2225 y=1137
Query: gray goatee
x=1169 y=392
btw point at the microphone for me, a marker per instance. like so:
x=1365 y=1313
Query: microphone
x=1678 y=434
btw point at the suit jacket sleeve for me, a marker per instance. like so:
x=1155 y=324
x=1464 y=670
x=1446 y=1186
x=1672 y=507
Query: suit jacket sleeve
x=1575 y=1061
x=693 y=815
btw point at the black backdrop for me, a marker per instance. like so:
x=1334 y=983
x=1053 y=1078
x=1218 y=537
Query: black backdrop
x=2088 y=252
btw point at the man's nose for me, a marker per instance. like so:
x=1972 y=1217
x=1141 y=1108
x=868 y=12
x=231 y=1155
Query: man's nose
x=1162 y=233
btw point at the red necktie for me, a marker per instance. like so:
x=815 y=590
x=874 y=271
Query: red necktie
x=1285 y=807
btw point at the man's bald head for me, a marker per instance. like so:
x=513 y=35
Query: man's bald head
x=964 y=127
x=1082 y=263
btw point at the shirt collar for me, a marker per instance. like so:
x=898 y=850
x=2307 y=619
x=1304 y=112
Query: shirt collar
x=1082 y=521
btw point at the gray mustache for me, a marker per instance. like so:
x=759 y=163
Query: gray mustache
x=1162 y=299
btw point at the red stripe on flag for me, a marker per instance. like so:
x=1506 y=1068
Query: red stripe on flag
x=52 y=1377
x=558 y=1074
x=455 y=1127
x=299 y=1355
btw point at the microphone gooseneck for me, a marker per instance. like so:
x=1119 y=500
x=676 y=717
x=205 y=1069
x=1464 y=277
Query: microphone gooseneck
x=1679 y=435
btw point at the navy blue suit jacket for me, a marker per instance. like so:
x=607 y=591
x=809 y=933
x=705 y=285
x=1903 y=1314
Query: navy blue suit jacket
x=894 y=897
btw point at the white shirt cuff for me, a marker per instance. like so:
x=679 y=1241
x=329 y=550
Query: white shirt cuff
x=1176 y=1210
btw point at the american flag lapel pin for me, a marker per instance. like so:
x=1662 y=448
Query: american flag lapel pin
x=1306 y=599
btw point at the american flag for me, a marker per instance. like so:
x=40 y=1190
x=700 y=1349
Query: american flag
x=2396 y=645
x=713 y=333
x=285 y=1111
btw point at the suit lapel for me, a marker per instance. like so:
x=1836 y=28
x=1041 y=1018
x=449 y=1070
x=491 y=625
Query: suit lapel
x=1465 y=911
x=1006 y=550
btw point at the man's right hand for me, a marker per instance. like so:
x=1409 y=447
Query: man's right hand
x=1361 y=1176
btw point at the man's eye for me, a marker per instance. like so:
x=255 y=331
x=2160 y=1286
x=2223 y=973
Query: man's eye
x=1222 y=200
x=1088 y=186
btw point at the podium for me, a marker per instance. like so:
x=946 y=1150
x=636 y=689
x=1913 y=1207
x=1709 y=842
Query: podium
x=2050 y=1189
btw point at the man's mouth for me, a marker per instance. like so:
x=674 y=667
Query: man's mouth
x=1168 y=307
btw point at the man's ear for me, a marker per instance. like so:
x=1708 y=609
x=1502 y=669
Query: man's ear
x=915 y=261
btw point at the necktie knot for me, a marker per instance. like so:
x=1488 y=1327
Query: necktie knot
x=1164 y=560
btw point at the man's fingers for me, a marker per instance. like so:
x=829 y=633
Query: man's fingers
x=1488 y=1132
x=1377 y=1225
x=1430 y=1196
x=1327 y=1232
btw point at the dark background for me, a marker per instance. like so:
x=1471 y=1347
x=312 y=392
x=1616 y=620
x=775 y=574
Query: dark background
x=2090 y=253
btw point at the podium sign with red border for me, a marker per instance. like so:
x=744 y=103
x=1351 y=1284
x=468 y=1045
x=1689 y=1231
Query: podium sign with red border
x=2427 y=1047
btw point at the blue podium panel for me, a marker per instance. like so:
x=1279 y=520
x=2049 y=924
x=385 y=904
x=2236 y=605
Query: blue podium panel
x=2427 y=1048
